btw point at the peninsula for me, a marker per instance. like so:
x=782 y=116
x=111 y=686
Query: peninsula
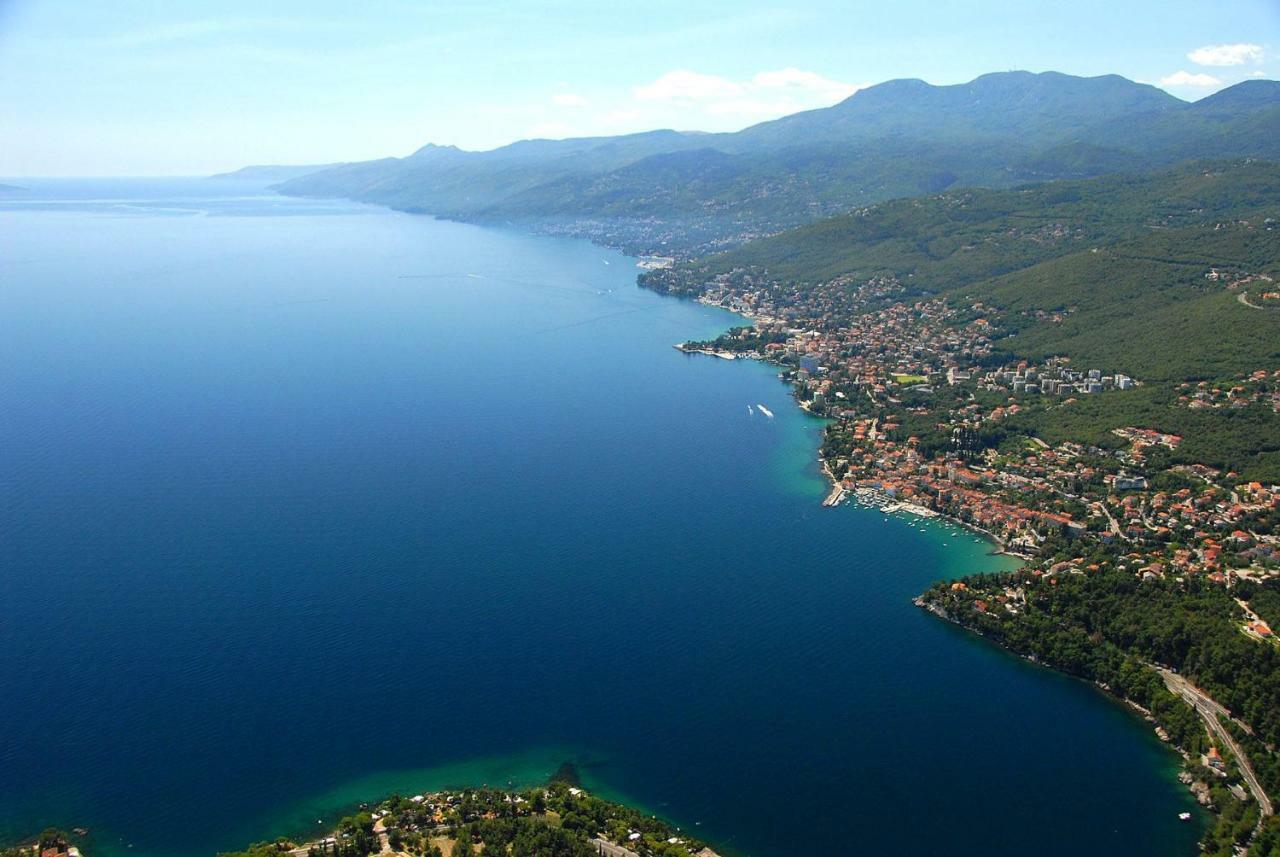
x=558 y=820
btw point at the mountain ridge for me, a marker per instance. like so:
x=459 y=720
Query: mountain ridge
x=669 y=191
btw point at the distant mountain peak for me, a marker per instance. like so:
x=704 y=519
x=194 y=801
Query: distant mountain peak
x=1034 y=107
x=1246 y=94
x=431 y=150
x=899 y=138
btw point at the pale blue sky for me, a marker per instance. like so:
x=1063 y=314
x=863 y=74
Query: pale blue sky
x=148 y=87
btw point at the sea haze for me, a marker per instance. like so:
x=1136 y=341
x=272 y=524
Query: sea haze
x=303 y=501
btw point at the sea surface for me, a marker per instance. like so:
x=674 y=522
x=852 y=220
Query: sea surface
x=303 y=502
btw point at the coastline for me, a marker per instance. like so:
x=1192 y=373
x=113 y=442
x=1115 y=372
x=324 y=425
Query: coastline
x=557 y=813
x=1198 y=789
x=683 y=347
x=839 y=491
x=842 y=490
x=522 y=769
x=773 y=458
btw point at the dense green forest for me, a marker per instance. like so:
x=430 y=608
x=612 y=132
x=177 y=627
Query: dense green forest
x=960 y=238
x=1146 y=304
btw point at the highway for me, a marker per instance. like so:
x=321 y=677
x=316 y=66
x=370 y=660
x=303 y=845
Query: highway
x=1210 y=710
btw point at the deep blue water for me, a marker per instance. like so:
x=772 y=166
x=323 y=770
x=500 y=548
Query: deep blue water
x=301 y=501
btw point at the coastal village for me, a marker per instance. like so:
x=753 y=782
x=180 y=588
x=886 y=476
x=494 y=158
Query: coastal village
x=558 y=820
x=50 y=843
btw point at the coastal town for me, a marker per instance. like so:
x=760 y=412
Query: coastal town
x=928 y=416
x=919 y=417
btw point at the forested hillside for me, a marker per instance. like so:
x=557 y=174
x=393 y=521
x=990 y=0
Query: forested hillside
x=959 y=237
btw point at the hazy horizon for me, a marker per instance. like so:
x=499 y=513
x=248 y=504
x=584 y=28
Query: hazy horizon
x=198 y=88
x=485 y=149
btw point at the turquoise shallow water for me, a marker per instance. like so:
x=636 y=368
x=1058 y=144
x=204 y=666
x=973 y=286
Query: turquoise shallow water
x=305 y=501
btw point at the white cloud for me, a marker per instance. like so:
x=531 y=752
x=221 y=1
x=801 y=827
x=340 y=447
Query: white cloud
x=786 y=87
x=1223 y=55
x=568 y=99
x=686 y=99
x=797 y=79
x=684 y=85
x=1186 y=78
x=682 y=98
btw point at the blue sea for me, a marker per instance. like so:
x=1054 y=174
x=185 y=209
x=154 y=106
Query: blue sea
x=304 y=502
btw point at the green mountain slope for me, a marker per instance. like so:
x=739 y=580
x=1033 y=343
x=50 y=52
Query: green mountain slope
x=1240 y=121
x=959 y=237
x=786 y=186
x=1146 y=304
